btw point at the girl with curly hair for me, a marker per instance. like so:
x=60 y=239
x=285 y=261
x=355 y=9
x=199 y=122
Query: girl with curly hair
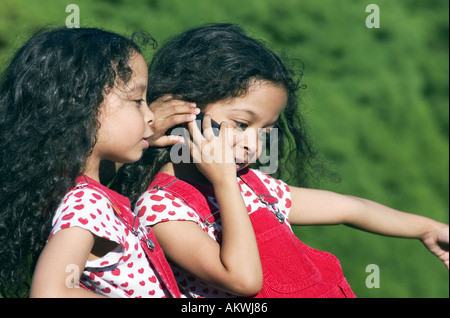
x=226 y=227
x=69 y=99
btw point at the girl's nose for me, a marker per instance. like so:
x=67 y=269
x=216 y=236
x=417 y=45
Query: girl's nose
x=251 y=142
x=149 y=116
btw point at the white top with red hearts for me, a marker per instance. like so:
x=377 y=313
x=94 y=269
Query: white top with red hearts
x=122 y=272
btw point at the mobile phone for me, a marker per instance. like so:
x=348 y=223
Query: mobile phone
x=215 y=126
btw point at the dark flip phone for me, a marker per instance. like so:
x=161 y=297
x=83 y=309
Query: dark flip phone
x=215 y=126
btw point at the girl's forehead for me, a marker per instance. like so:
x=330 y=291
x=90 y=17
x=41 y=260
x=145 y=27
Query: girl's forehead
x=261 y=100
x=139 y=76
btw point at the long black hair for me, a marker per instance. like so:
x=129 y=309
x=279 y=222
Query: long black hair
x=212 y=63
x=50 y=95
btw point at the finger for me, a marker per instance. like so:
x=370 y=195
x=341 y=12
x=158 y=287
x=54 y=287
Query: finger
x=175 y=108
x=164 y=124
x=227 y=150
x=195 y=133
x=168 y=120
x=165 y=141
x=169 y=97
x=167 y=101
x=223 y=131
x=182 y=107
x=207 y=127
x=195 y=151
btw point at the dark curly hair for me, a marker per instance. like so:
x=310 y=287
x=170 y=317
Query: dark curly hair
x=50 y=95
x=212 y=63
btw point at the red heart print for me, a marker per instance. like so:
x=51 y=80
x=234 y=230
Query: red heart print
x=79 y=194
x=68 y=216
x=158 y=207
x=116 y=272
x=106 y=290
x=83 y=221
x=288 y=203
x=156 y=197
x=142 y=211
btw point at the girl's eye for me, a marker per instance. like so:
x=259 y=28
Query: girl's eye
x=240 y=125
x=139 y=101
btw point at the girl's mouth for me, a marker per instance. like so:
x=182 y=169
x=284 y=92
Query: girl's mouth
x=145 y=142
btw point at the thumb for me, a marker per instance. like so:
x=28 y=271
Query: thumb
x=165 y=141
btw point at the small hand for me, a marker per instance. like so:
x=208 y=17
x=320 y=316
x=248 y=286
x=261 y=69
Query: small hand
x=437 y=242
x=212 y=154
x=170 y=111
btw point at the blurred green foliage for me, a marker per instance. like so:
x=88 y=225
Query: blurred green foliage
x=376 y=102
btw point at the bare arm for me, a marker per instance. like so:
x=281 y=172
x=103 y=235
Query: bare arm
x=65 y=253
x=323 y=207
x=234 y=265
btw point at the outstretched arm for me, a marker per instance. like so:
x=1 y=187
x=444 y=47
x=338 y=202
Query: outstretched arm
x=324 y=207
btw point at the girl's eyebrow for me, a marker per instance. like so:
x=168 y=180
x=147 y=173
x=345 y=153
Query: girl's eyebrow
x=249 y=111
x=254 y=115
x=141 y=87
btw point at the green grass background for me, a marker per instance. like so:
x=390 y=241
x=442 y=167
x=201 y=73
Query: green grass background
x=376 y=102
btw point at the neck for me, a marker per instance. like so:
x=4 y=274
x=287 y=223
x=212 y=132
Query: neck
x=92 y=168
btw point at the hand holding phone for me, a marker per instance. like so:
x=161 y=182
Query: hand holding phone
x=215 y=126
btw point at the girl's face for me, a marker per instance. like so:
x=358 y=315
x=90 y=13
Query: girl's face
x=251 y=115
x=125 y=117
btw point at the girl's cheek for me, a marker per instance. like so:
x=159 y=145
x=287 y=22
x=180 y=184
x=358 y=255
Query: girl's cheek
x=254 y=151
x=247 y=141
x=258 y=152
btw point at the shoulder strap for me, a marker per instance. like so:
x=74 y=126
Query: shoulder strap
x=128 y=218
x=189 y=194
x=249 y=177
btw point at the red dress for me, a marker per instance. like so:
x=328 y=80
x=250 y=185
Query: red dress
x=290 y=268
